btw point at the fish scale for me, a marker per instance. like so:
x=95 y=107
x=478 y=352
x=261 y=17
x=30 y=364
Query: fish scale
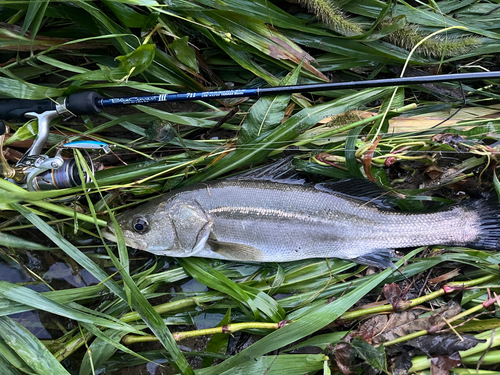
x=271 y=221
x=304 y=228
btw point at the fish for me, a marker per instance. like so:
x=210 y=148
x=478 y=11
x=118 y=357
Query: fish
x=259 y=218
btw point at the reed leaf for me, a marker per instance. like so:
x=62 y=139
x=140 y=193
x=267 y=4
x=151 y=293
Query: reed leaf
x=295 y=364
x=70 y=249
x=248 y=298
x=29 y=348
x=35 y=300
x=268 y=112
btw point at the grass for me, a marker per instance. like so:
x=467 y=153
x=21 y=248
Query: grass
x=391 y=136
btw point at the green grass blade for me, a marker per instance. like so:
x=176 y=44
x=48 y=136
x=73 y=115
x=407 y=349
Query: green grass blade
x=200 y=270
x=61 y=65
x=34 y=16
x=156 y=324
x=36 y=300
x=268 y=112
x=100 y=351
x=128 y=16
x=146 y=311
x=164 y=69
x=289 y=364
x=13 y=241
x=100 y=17
x=29 y=348
x=134 y=295
x=255 y=33
x=304 y=326
x=350 y=151
x=242 y=57
x=257 y=150
x=79 y=257
x=10 y=362
x=176 y=118
x=60 y=296
x=112 y=339
x=247 y=298
x=218 y=342
x=18 y=89
x=322 y=341
x=266 y=12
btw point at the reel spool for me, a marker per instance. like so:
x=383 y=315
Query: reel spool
x=42 y=173
x=58 y=173
x=66 y=176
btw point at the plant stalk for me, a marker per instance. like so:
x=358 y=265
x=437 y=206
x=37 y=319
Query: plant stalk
x=230 y=328
x=175 y=306
x=448 y=288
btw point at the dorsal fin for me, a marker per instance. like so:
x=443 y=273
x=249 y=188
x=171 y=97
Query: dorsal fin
x=360 y=189
x=282 y=171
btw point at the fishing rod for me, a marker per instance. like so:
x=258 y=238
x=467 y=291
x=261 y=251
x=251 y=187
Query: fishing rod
x=279 y=90
x=35 y=171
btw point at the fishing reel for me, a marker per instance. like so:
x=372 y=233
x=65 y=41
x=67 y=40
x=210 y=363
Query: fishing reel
x=35 y=171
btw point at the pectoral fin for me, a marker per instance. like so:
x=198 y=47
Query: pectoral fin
x=201 y=238
x=236 y=251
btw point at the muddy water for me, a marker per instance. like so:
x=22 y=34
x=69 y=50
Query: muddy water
x=42 y=271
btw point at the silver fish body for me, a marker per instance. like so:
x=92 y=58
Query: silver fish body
x=268 y=221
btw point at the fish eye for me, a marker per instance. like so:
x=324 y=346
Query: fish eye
x=140 y=225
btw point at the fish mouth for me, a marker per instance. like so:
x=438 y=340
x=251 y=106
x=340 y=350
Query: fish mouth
x=109 y=234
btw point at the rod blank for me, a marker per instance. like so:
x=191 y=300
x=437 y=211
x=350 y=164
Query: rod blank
x=237 y=93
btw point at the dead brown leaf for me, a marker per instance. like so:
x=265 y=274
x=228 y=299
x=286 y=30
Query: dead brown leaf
x=281 y=49
x=406 y=322
x=443 y=364
x=343 y=357
x=401 y=324
x=367 y=159
x=438 y=319
x=434 y=172
x=394 y=295
x=288 y=111
x=444 y=277
x=372 y=327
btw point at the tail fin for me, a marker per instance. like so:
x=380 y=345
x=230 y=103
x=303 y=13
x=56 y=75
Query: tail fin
x=489 y=216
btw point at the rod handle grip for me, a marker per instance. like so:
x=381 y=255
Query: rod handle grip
x=14 y=109
x=81 y=103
